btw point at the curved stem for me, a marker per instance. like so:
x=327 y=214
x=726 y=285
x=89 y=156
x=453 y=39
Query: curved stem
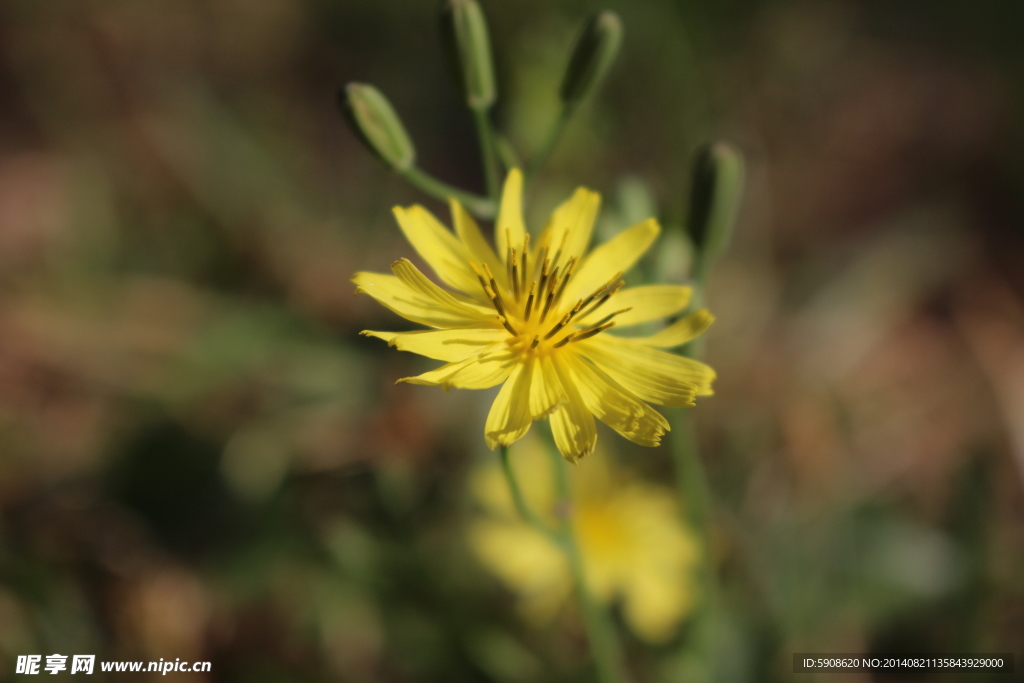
x=507 y=154
x=488 y=151
x=691 y=477
x=604 y=645
x=552 y=141
x=481 y=207
x=517 y=497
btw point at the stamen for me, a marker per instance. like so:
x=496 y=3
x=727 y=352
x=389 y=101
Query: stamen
x=508 y=253
x=562 y=323
x=569 y=269
x=603 y=288
x=529 y=300
x=586 y=334
x=513 y=275
x=608 y=317
x=490 y=276
x=545 y=269
x=512 y=330
x=479 y=275
x=547 y=306
x=495 y=299
x=601 y=302
x=536 y=340
x=553 y=279
x=526 y=260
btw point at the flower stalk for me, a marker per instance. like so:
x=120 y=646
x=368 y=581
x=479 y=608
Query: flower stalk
x=592 y=57
x=714 y=202
x=605 y=649
x=467 y=41
x=481 y=207
x=377 y=125
x=488 y=151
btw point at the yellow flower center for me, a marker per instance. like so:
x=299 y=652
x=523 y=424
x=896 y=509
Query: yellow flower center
x=532 y=309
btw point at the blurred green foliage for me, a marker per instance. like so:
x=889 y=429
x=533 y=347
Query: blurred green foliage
x=200 y=457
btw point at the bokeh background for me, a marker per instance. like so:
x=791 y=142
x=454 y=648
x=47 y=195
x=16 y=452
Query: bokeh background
x=201 y=459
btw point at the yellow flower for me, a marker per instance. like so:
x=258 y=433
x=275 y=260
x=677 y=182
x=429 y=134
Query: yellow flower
x=633 y=545
x=535 y=318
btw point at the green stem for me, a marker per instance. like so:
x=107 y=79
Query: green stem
x=507 y=154
x=481 y=207
x=517 y=497
x=604 y=645
x=488 y=151
x=692 y=479
x=690 y=475
x=552 y=141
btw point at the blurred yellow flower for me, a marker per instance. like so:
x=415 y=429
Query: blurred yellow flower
x=534 y=316
x=633 y=544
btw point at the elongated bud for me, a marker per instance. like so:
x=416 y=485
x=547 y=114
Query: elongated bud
x=715 y=197
x=374 y=120
x=595 y=51
x=466 y=39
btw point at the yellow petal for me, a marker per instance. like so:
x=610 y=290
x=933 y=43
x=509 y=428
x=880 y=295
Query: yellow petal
x=510 y=231
x=509 y=418
x=483 y=371
x=658 y=586
x=414 y=305
x=650 y=302
x=568 y=232
x=681 y=331
x=439 y=247
x=545 y=389
x=447 y=345
x=616 y=255
x=527 y=562
x=652 y=375
x=572 y=425
x=411 y=276
x=654 y=605
x=615 y=406
x=476 y=244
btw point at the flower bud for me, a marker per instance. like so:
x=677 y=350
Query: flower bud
x=715 y=197
x=595 y=51
x=465 y=37
x=374 y=120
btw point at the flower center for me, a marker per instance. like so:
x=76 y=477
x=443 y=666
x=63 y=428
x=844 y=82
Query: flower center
x=532 y=309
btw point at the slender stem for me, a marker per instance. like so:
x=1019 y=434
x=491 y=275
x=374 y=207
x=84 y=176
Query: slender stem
x=488 y=150
x=507 y=154
x=604 y=645
x=517 y=497
x=691 y=476
x=479 y=206
x=552 y=141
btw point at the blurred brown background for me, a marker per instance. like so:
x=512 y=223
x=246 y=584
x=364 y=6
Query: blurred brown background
x=199 y=457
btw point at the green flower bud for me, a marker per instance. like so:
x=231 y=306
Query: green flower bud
x=374 y=120
x=595 y=51
x=465 y=37
x=715 y=197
